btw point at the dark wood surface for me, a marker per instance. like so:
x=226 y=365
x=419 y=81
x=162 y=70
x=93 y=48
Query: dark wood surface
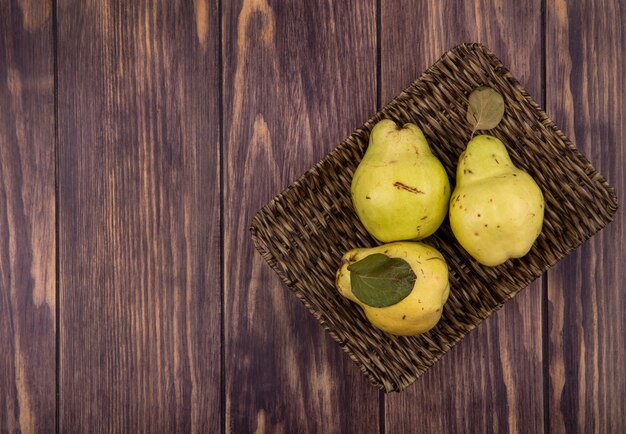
x=586 y=72
x=283 y=373
x=139 y=216
x=138 y=139
x=27 y=218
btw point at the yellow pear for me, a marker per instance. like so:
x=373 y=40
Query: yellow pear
x=496 y=209
x=400 y=190
x=422 y=307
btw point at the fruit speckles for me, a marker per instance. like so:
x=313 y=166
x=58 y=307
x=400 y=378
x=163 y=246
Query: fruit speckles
x=504 y=202
x=408 y=188
x=399 y=177
x=414 y=314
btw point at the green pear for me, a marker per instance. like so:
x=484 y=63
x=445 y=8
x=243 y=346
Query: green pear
x=496 y=209
x=421 y=308
x=400 y=190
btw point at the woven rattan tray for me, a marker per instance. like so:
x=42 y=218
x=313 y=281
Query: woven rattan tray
x=303 y=232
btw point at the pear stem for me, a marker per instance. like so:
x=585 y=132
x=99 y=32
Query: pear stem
x=473 y=132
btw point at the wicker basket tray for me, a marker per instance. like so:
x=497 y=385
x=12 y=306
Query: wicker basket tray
x=303 y=232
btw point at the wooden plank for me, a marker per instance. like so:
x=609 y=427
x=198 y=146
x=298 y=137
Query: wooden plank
x=139 y=216
x=298 y=78
x=27 y=218
x=492 y=381
x=586 y=71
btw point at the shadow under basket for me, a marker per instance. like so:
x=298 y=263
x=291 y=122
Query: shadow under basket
x=304 y=231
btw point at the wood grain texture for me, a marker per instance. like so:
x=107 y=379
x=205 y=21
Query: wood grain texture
x=586 y=71
x=27 y=218
x=298 y=78
x=492 y=381
x=139 y=216
x=139 y=162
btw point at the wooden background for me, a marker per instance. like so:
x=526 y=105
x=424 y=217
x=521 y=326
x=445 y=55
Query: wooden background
x=138 y=139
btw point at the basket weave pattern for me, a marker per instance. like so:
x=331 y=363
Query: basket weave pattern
x=304 y=231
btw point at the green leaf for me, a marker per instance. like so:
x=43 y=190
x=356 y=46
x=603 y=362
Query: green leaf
x=486 y=108
x=380 y=281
